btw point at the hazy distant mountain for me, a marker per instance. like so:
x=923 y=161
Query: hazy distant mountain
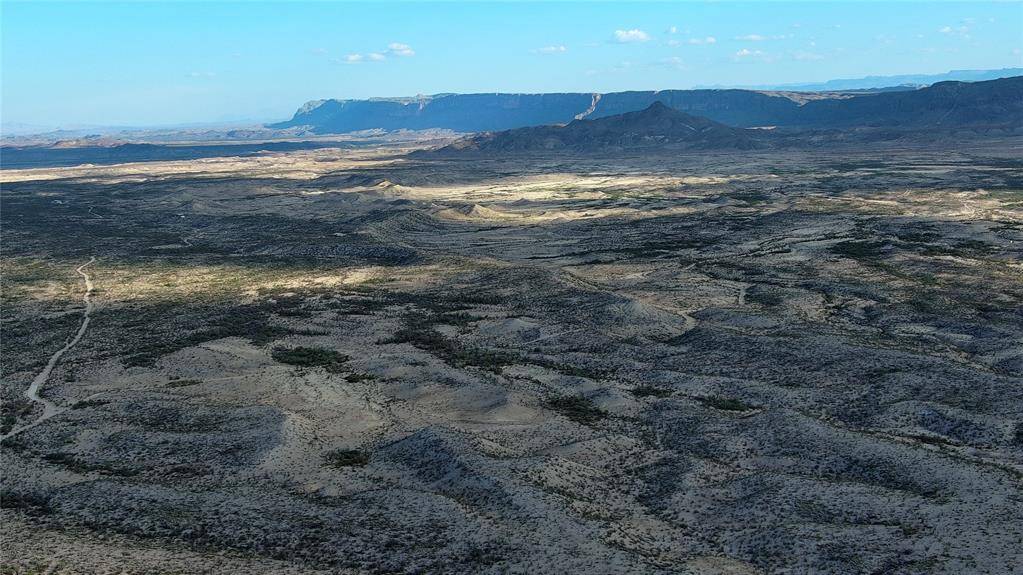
x=656 y=126
x=994 y=103
x=904 y=81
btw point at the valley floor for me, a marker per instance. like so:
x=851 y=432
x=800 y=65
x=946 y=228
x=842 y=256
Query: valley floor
x=362 y=361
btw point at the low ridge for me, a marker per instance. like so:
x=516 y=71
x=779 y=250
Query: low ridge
x=655 y=126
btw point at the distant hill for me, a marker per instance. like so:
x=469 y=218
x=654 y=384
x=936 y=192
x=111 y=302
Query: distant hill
x=656 y=126
x=738 y=108
x=903 y=81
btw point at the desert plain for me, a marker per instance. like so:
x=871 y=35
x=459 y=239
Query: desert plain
x=383 y=360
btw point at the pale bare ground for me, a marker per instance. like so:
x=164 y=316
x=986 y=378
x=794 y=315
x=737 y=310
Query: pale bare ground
x=748 y=378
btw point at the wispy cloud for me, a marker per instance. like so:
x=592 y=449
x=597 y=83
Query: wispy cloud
x=558 y=49
x=962 y=31
x=672 y=62
x=394 y=49
x=318 y=51
x=202 y=74
x=631 y=36
x=700 y=41
x=400 y=50
x=762 y=37
x=748 y=55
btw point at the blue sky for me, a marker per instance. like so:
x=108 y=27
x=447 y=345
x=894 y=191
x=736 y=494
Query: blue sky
x=175 y=62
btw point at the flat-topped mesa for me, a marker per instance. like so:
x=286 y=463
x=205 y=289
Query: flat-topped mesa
x=945 y=104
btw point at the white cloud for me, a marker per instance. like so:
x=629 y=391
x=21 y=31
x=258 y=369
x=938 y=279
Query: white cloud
x=762 y=38
x=558 y=49
x=394 y=49
x=747 y=53
x=962 y=31
x=700 y=41
x=202 y=74
x=318 y=51
x=674 y=43
x=399 y=49
x=673 y=30
x=631 y=36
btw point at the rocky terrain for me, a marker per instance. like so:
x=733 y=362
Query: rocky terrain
x=364 y=361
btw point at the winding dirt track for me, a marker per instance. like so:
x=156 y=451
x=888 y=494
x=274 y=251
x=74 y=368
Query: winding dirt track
x=32 y=393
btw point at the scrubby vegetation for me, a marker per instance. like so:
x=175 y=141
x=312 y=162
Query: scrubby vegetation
x=577 y=408
x=341 y=458
x=651 y=391
x=328 y=359
x=725 y=403
x=859 y=250
x=419 y=332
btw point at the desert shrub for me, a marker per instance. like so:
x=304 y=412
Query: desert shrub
x=577 y=408
x=725 y=403
x=650 y=391
x=183 y=382
x=11 y=410
x=30 y=503
x=328 y=359
x=859 y=250
x=357 y=377
x=763 y=297
x=340 y=458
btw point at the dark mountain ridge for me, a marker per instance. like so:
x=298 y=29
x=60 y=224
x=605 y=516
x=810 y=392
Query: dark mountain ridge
x=657 y=126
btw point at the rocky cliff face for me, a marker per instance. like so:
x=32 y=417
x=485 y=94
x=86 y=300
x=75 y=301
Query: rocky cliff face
x=946 y=104
x=459 y=112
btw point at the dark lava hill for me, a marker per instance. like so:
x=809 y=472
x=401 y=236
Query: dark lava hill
x=657 y=126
